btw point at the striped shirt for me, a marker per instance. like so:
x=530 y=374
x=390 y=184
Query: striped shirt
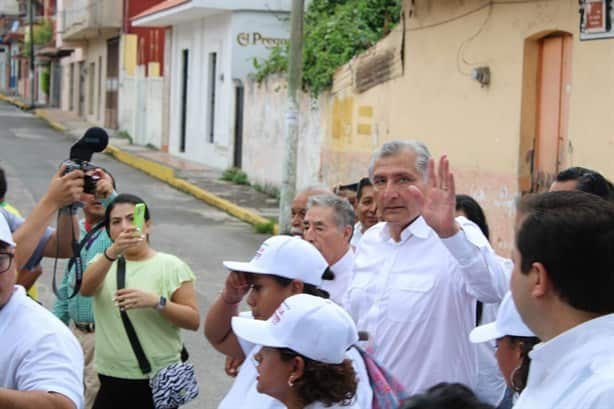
x=79 y=308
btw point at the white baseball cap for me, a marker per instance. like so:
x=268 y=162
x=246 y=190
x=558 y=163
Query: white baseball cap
x=314 y=327
x=508 y=323
x=5 y=232
x=285 y=256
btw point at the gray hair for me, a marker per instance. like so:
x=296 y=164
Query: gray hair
x=344 y=212
x=395 y=147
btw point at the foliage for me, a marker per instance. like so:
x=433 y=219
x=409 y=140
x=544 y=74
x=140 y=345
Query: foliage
x=125 y=135
x=335 y=31
x=235 y=175
x=267 y=189
x=45 y=81
x=43 y=33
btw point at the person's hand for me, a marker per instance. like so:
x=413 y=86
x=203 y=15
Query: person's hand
x=232 y=366
x=126 y=239
x=131 y=298
x=65 y=190
x=235 y=288
x=104 y=187
x=438 y=202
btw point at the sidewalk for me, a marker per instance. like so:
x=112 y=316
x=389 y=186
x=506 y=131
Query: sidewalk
x=198 y=180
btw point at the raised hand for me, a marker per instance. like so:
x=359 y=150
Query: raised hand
x=65 y=189
x=126 y=239
x=438 y=201
x=235 y=288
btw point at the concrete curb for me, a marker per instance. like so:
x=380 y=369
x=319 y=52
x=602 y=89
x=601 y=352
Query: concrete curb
x=14 y=101
x=55 y=125
x=167 y=174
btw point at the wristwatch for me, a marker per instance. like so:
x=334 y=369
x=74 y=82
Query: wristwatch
x=161 y=303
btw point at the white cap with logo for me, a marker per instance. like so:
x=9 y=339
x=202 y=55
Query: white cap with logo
x=508 y=323
x=6 y=236
x=311 y=326
x=285 y=256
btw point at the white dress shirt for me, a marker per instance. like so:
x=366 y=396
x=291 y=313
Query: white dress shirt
x=574 y=370
x=343 y=277
x=416 y=298
x=356 y=236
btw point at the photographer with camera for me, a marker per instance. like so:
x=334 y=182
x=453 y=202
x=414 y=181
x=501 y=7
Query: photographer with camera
x=77 y=312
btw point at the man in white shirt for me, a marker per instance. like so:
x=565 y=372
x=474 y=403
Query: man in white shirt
x=417 y=275
x=328 y=226
x=41 y=361
x=562 y=285
x=299 y=207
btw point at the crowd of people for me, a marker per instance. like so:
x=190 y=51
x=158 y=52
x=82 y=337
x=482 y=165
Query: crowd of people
x=386 y=294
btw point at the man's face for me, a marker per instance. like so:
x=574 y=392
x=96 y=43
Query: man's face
x=299 y=208
x=92 y=207
x=563 y=186
x=392 y=178
x=520 y=283
x=7 y=278
x=366 y=210
x=348 y=194
x=322 y=231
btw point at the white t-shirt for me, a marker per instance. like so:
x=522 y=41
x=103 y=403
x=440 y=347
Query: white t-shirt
x=37 y=351
x=343 y=277
x=243 y=393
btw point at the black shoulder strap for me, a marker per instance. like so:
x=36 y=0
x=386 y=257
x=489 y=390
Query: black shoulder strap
x=134 y=339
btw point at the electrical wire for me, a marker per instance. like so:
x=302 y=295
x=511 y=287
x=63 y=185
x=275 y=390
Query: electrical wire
x=460 y=57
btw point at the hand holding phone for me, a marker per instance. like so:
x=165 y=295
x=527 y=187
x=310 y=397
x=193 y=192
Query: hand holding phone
x=138 y=217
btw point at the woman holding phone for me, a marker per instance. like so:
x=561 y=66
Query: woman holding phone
x=158 y=297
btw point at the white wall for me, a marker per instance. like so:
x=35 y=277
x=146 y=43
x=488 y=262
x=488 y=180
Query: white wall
x=96 y=49
x=202 y=37
x=10 y=7
x=265 y=129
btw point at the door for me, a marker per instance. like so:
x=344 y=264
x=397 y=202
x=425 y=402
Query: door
x=239 y=100
x=553 y=87
x=56 y=84
x=185 y=62
x=81 y=104
x=112 y=84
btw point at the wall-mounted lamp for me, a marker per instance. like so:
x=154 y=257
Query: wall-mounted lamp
x=481 y=75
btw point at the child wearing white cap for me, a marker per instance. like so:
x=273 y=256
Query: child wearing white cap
x=282 y=267
x=302 y=361
x=514 y=342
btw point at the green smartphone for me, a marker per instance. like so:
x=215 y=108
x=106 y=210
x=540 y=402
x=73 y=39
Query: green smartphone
x=138 y=218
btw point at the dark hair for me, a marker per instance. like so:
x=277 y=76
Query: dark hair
x=446 y=396
x=120 y=199
x=3 y=186
x=520 y=374
x=322 y=382
x=364 y=182
x=473 y=211
x=307 y=288
x=587 y=180
x=572 y=234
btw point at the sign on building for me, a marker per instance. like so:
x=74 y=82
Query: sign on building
x=596 y=19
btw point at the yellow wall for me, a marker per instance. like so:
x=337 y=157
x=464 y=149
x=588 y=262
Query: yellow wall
x=486 y=131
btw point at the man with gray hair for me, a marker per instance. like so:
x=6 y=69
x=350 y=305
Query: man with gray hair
x=328 y=225
x=418 y=273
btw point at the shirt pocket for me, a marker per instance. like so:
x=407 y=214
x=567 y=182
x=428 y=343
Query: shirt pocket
x=408 y=297
x=359 y=297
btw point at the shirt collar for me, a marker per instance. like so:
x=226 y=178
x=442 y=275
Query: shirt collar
x=345 y=263
x=417 y=228
x=550 y=352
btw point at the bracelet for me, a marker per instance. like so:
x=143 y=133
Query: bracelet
x=226 y=301
x=108 y=257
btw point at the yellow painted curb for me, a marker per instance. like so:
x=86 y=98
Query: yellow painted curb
x=55 y=125
x=13 y=101
x=167 y=174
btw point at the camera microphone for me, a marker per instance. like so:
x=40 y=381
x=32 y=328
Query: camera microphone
x=94 y=140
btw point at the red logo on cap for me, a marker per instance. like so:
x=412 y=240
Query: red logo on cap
x=279 y=313
x=260 y=251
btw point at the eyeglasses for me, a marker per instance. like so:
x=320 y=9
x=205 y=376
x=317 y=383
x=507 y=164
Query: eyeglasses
x=6 y=259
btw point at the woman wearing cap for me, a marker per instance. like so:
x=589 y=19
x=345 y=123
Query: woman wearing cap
x=159 y=297
x=302 y=362
x=282 y=267
x=514 y=342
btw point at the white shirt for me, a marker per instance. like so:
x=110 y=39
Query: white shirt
x=243 y=393
x=417 y=301
x=37 y=351
x=574 y=370
x=343 y=277
x=356 y=236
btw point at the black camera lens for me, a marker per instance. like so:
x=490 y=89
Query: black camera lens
x=89 y=183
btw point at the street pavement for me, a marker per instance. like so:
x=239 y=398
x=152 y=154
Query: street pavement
x=30 y=152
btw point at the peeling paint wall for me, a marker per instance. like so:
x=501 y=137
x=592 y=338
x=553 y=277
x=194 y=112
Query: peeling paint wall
x=264 y=132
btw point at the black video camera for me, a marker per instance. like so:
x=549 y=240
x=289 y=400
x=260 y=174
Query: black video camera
x=94 y=140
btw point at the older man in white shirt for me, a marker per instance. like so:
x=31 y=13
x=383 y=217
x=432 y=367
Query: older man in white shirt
x=328 y=226
x=417 y=275
x=562 y=285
